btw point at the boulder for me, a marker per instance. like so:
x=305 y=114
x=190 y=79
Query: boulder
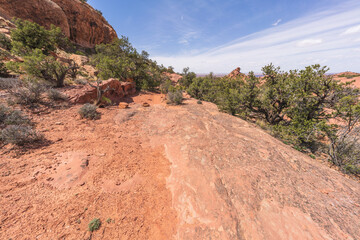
x=87 y=94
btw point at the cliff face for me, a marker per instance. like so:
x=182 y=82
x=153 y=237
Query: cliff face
x=79 y=21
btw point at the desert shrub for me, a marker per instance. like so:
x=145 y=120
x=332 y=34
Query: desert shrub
x=9 y=83
x=174 y=97
x=94 y=224
x=3 y=113
x=120 y=59
x=199 y=102
x=38 y=65
x=5 y=42
x=81 y=81
x=28 y=36
x=29 y=93
x=99 y=12
x=16 y=118
x=3 y=70
x=187 y=77
x=55 y=95
x=20 y=135
x=165 y=86
x=88 y=111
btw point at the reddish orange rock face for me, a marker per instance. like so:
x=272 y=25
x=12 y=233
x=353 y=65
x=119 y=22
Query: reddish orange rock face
x=78 y=21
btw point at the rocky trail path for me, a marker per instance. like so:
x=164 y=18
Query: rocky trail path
x=170 y=172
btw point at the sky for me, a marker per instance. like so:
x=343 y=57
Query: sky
x=220 y=35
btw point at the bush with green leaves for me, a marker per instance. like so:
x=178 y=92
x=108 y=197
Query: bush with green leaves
x=5 y=42
x=94 y=224
x=121 y=60
x=38 y=65
x=187 y=77
x=28 y=36
x=89 y=111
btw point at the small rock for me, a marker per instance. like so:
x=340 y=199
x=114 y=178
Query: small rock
x=58 y=123
x=82 y=184
x=123 y=105
x=145 y=104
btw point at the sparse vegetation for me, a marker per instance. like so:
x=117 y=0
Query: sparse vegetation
x=94 y=224
x=16 y=128
x=20 y=135
x=349 y=76
x=174 y=97
x=56 y=95
x=89 y=111
x=295 y=106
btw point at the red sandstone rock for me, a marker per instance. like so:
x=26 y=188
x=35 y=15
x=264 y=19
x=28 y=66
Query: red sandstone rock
x=235 y=73
x=78 y=21
x=87 y=94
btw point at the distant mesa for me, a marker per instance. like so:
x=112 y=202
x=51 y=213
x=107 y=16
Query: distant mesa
x=78 y=21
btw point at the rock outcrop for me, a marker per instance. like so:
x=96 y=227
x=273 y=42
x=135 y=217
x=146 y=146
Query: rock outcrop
x=78 y=20
x=87 y=94
x=235 y=73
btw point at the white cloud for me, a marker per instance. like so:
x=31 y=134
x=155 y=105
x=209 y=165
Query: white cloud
x=352 y=30
x=277 y=22
x=295 y=44
x=309 y=42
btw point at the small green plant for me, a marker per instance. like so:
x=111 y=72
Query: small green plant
x=88 y=111
x=109 y=220
x=56 y=95
x=174 y=97
x=94 y=224
x=199 y=102
x=312 y=156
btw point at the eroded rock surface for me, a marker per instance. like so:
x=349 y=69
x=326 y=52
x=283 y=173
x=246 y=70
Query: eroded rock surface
x=170 y=172
x=78 y=20
x=87 y=94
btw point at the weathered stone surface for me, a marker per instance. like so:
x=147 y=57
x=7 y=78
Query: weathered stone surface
x=79 y=21
x=235 y=73
x=88 y=94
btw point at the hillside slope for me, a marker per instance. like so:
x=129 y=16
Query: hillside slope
x=170 y=172
x=79 y=21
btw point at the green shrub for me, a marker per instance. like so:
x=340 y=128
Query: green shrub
x=28 y=36
x=20 y=135
x=88 y=111
x=45 y=67
x=187 y=77
x=120 y=59
x=94 y=224
x=5 y=42
x=174 y=97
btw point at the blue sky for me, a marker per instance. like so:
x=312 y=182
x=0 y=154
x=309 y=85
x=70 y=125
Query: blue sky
x=218 y=36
